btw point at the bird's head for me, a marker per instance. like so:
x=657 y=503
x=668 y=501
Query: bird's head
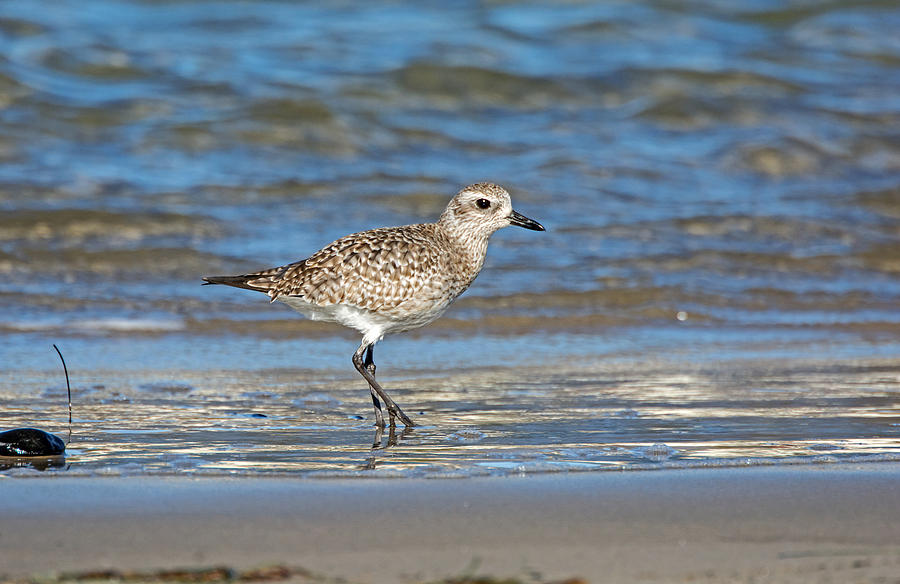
x=480 y=209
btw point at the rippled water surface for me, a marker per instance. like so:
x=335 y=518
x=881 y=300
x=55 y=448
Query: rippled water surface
x=484 y=422
x=719 y=282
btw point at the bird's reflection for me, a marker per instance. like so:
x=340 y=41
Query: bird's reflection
x=381 y=443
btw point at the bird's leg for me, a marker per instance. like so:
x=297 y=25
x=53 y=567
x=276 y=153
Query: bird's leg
x=370 y=367
x=379 y=417
x=393 y=409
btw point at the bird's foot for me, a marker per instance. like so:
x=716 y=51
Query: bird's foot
x=395 y=411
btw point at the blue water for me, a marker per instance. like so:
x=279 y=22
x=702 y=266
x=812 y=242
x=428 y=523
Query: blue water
x=720 y=183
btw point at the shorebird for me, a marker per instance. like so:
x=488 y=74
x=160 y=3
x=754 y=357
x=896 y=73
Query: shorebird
x=391 y=279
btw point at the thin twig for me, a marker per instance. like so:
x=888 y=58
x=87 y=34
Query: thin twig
x=68 y=387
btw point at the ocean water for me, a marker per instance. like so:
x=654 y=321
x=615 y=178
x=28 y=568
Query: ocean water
x=719 y=283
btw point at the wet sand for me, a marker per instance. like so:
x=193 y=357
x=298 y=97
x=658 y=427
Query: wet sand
x=825 y=523
x=480 y=422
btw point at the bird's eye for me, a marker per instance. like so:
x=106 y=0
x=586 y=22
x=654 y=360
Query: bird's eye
x=483 y=203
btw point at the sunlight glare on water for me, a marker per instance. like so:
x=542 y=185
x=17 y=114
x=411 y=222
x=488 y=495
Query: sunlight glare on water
x=481 y=423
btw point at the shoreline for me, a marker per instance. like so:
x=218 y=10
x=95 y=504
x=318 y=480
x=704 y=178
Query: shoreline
x=733 y=524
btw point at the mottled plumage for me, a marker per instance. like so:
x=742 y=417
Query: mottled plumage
x=391 y=279
x=394 y=271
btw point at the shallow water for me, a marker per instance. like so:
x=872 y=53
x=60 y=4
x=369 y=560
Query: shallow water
x=477 y=422
x=720 y=183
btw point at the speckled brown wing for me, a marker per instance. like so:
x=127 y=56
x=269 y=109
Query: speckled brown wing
x=381 y=269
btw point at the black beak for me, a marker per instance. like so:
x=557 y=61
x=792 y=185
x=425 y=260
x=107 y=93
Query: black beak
x=523 y=221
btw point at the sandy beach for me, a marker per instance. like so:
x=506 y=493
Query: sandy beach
x=827 y=523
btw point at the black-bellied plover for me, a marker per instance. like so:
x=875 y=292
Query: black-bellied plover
x=391 y=279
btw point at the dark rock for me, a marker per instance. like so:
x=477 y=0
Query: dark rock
x=30 y=442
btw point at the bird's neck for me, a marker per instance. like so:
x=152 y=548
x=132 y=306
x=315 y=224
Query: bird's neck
x=471 y=246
